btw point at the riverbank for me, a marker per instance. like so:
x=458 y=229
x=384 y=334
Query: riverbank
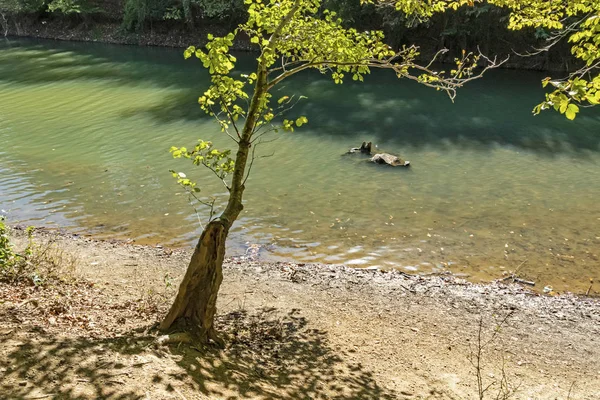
x=292 y=331
x=112 y=32
x=166 y=34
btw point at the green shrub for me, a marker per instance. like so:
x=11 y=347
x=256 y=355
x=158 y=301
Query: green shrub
x=39 y=264
x=138 y=12
x=41 y=6
x=7 y=256
x=10 y=262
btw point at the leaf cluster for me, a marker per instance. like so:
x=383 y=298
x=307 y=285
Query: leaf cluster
x=311 y=38
x=579 y=22
x=136 y=13
x=61 y=6
x=206 y=155
x=576 y=20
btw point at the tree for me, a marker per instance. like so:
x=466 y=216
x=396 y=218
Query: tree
x=577 y=21
x=292 y=36
x=137 y=13
x=296 y=35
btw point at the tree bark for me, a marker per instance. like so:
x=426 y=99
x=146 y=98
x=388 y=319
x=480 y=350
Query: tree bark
x=195 y=306
x=4 y=24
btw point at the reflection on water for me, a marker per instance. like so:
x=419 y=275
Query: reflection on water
x=85 y=131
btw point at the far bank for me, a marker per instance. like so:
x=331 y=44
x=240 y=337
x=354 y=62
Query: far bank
x=107 y=22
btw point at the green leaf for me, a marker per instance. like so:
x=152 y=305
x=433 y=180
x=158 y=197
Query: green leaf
x=563 y=107
x=572 y=111
x=301 y=121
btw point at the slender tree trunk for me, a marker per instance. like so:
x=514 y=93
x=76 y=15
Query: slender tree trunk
x=4 y=24
x=194 y=307
x=196 y=302
x=187 y=13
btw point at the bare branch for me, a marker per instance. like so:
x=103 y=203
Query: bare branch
x=231 y=119
x=448 y=84
x=555 y=38
x=273 y=128
x=210 y=204
x=253 y=157
x=476 y=359
x=570 y=390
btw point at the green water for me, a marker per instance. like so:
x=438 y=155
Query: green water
x=85 y=131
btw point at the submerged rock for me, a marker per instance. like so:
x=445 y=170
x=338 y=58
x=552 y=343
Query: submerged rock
x=389 y=159
x=379 y=158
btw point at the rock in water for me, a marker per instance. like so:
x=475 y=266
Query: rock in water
x=389 y=159
x=365 y=148
x=379 y=158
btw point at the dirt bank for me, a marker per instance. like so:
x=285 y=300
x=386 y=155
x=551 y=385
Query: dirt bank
x=168 y=34
x=293 y=331
x=164 y=35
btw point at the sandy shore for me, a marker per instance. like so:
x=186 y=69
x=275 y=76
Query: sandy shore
x=292 y=331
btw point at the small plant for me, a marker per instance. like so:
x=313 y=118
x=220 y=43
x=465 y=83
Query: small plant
x=504 y=389
x=173 y=13
x=48 y=261
x=29 y=248
x=9 y=260
x=168 y=281
x=39 y=263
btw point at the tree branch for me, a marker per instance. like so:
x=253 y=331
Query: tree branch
x=230 y=117
x=448 y=84
x=554 y=38
x=253 y=158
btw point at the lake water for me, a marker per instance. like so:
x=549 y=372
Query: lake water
x=85 y=131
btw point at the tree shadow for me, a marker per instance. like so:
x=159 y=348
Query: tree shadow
x=43 y=61
x=70 y=368
x=274 y=356
x=269 y=355
x=494 y=111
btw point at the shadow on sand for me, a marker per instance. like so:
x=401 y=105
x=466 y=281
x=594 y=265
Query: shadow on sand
x=269 y=356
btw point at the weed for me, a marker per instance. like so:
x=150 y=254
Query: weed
x=39 y=263
x=9 y=260
x=504 y=389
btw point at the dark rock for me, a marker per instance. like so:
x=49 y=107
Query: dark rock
x=365 y=148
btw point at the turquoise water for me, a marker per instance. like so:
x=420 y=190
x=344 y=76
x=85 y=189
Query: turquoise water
x=85 y=131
